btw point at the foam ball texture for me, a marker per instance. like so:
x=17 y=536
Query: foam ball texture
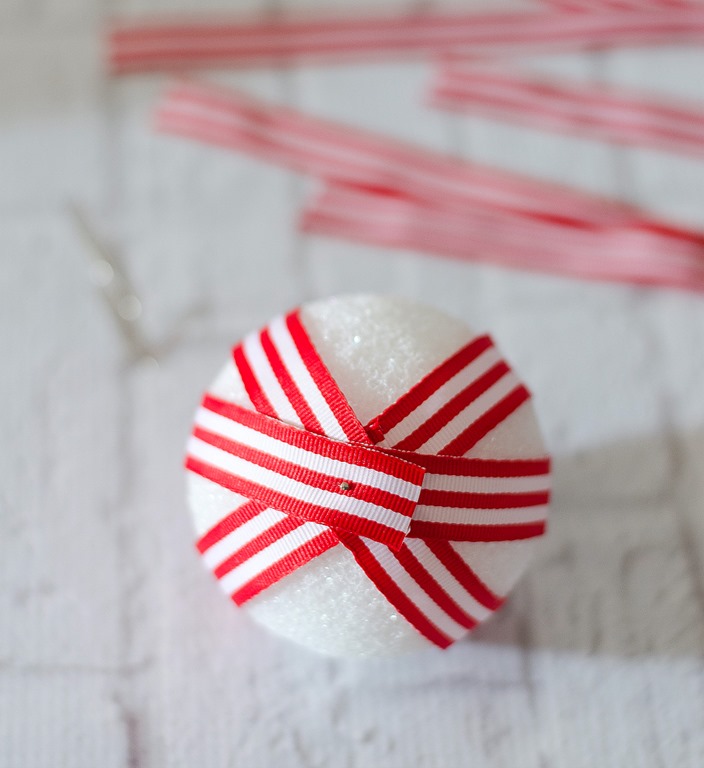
x=376 y=348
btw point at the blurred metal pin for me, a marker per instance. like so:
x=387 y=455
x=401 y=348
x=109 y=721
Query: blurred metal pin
x=107 y=274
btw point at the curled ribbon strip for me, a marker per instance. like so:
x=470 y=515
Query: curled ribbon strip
x=397 y=492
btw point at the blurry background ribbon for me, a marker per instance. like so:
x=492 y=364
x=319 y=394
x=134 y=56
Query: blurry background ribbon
x=593 y=111
x=188 y=44
x=397 y=492
x=384 y=193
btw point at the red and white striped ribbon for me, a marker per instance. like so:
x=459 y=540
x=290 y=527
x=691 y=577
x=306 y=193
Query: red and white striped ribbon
x=617 y=254
x=187 y=44
x=338 y=153
x=467 y=210
x=594 y=111
x=397 y=492
x=294 y=472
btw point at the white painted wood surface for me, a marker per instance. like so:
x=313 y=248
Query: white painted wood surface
x=116 y=647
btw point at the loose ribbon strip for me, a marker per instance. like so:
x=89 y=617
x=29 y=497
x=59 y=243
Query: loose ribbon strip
x=335 y=152
x=390 y=193
x=623 y=255
x=594 y=111
x=398 y=493
x=142 y=46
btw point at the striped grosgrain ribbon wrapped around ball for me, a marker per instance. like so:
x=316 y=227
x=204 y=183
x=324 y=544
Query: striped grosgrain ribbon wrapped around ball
x=396 y=492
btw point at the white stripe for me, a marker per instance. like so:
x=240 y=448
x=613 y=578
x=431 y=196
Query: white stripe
x=259 y=363
x=447 y=581
x=238 y=467
x=414 y=592
x=470 y=414
x=293 y=361
x=461 y=380
x=476 y=484
x=232 y=430
x=270 y=555
x=241 y=536
x=468 y=516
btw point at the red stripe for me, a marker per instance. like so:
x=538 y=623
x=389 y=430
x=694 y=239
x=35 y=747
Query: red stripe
x=366 y=493
x=301 y=509
x=326 y=384
x=305 y=414
x=417 y=571
x=251 y=385
x=241 y=515
x=392 y=592
x=461 y=500
x=464 y=574
x=452 y=408
x=427 y=386
x=288 y=564
x=426 y=530
x=260 y=542
x=459 y=466
x=486 y=422
x=401 y=467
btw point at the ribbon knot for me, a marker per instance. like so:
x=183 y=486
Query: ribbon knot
x=398 y=493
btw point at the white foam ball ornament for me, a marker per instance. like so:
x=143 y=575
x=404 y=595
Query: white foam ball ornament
x=349 y=551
